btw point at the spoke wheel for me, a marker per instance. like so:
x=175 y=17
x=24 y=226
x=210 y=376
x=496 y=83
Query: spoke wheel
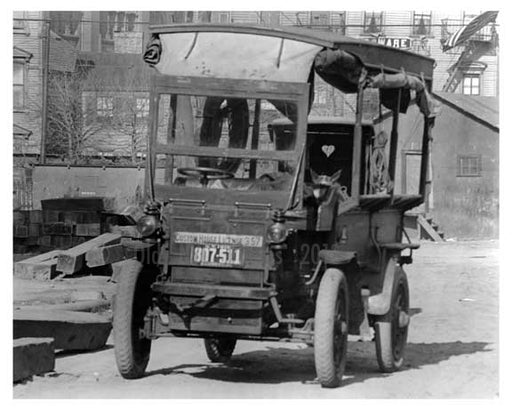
x=391 y=329
x=219 y=350
x=331 y=328
x=132 y=300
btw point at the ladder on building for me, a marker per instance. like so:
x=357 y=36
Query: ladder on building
x=453 y=79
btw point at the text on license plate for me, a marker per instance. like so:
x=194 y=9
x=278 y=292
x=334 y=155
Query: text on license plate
x=217 y=255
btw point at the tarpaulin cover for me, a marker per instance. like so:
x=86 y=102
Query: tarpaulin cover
x=339 y=68
x=234 y=55
x=241 y=55
x=389 y=86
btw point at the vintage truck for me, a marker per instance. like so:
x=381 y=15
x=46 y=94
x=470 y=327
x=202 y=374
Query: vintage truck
x=260 y=224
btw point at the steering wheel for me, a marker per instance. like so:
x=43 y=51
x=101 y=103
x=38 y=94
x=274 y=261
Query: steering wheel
x=205 y=174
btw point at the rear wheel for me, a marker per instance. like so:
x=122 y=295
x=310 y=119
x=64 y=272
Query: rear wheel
x=219 y=349
x=132 y=300
x=391 y=329
x=331 y=328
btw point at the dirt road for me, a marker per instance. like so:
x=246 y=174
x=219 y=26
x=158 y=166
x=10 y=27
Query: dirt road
x=452 y=350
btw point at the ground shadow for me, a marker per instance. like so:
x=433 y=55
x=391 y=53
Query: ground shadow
x=280 y=365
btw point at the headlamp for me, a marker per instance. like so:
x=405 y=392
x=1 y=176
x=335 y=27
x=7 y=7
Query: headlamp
x=277 y=233
x=147 y=225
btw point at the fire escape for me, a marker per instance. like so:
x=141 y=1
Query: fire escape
x=469 y=52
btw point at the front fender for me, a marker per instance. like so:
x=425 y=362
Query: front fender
x=380 y=303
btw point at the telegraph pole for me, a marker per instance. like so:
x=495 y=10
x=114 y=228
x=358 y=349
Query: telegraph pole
x=44 y=105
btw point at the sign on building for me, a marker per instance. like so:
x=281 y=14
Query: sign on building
x=397 y=42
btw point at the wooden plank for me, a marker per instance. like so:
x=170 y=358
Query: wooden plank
x=88 y=229
x=70 y=330
x=62 y=241
x=428 y=229
x=36 y=216
x=32 y=356
x=45 y=240
x=226 y=152
x=57 y=228
x=51 y=216
x=108 y=254
x=34 y=230
x=80 y=306
x=42 y=267
x=73 y=259
x=20 y=231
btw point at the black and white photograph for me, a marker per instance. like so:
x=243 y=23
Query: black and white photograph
x=240 y=204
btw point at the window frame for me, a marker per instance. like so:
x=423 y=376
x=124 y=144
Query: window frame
x=19 y=23
x=370 y=14
x=417 y=16
x=105 y=113
x=222 y=14
x=318 y=15
x=469 y=170
x=471 y=76
x=142 y=109
x=20 y=62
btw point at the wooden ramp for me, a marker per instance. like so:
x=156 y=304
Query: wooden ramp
x=429 y=229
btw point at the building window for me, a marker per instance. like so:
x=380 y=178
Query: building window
x=320 y=18
x=105 y=107
x=18 y=84
x=422 y=23
x=205 y=16
x=469 y=166
x=224 y=18
x=142 y=107
x=471 y=84
x=320 y=96
x=372 y=22
x=269 y=18
x=342 y=23
x=19 y=22
x=115 y=21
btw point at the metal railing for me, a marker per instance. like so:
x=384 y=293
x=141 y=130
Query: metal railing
x=450 y=26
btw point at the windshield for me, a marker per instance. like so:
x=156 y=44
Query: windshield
x=224 y=142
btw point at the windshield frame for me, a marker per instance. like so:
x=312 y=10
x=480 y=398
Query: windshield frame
x=297 y=93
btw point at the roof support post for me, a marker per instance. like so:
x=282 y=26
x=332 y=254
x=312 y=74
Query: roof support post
x=255 y=137
x=358 y=137
x=149 y=176
x=425 y=154
x=394 y=143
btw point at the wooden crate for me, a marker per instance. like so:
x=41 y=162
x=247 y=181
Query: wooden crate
x=34 y=230
x=58 y=228
x=93 y=229
x=36 y=216
x=20 y=231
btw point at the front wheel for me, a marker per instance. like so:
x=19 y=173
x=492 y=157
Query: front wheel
x=331 y=328
x=391 y=329
x=219 y=349
x=132 y=300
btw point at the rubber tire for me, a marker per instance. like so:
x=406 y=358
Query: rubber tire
x=332 y=293
x=132 y=299
x=219 y=350
x=390 y=350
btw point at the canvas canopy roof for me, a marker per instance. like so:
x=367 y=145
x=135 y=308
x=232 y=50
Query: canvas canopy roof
x=289 y=55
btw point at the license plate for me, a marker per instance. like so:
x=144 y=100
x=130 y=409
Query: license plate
x=217 y=255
